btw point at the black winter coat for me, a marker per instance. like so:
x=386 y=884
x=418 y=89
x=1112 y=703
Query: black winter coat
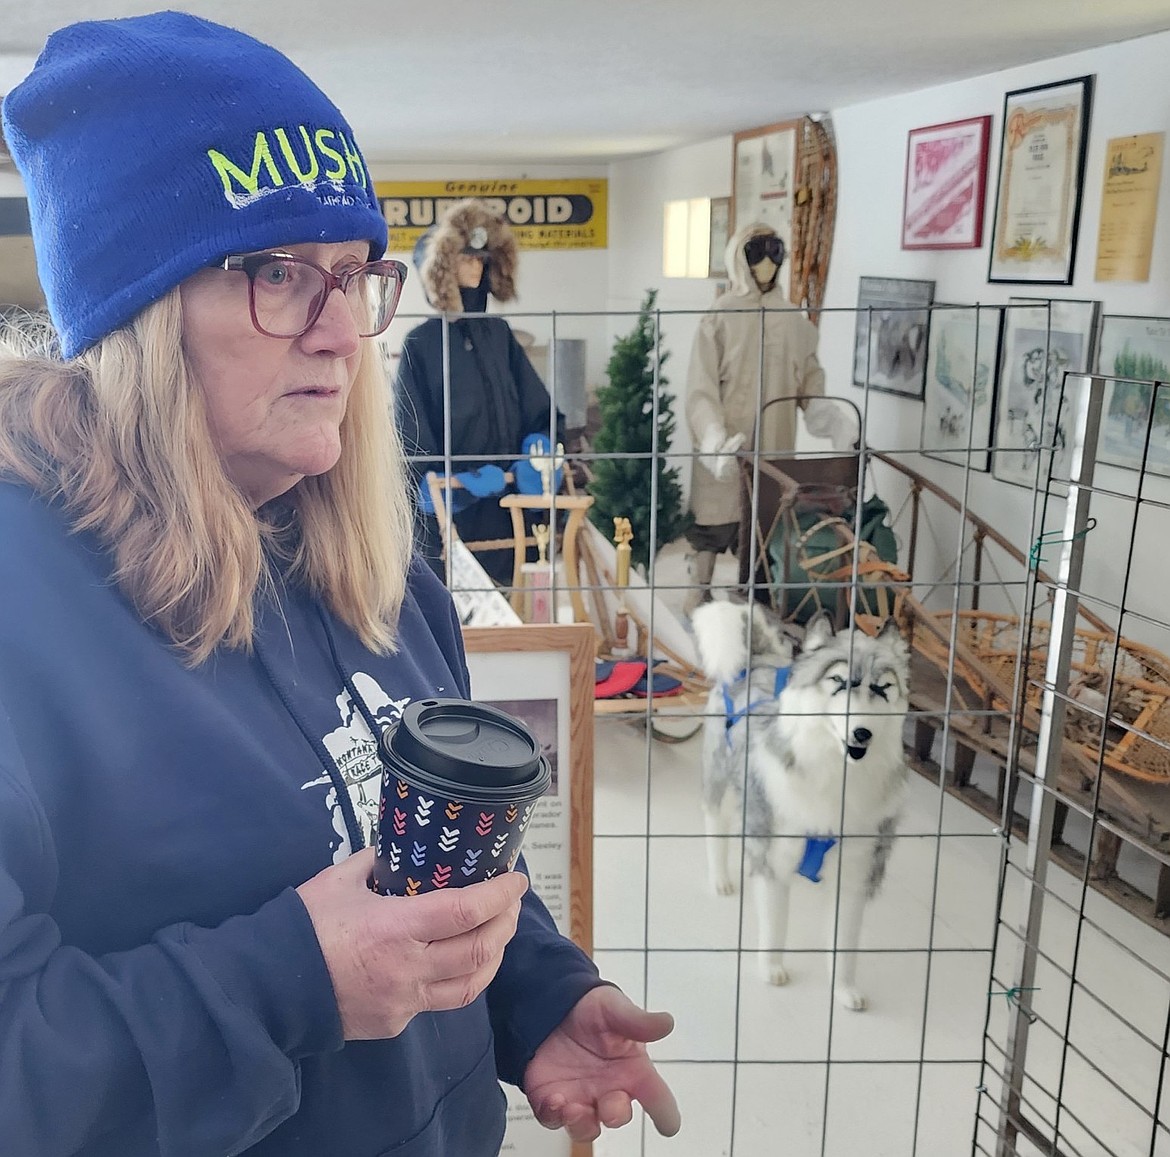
x=497 y=400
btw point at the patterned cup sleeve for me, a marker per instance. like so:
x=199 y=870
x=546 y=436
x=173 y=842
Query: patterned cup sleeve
x=426 y=843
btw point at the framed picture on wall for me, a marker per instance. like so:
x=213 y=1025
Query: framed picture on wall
x=544 y=676
x=763 y=176
x=1042 y=341
x=893 y=319
x=946 y=185
x=1041 y=175
x=962 y=366
x=720 y=233
x=1136 y=352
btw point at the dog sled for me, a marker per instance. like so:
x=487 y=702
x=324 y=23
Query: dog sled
x=964 y=684
x=1115 y=757
x=815 y=543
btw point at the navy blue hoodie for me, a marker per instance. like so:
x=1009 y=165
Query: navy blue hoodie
x=161 y=987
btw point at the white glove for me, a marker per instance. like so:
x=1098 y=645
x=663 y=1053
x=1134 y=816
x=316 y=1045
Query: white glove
x=717 y=450
x=825 y=419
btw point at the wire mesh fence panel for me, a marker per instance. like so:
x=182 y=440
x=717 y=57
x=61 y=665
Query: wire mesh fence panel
x=1009 y=991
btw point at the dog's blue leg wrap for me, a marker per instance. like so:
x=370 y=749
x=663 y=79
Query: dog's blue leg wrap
x=815 y=850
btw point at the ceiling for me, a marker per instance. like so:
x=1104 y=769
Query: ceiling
x=528 y=81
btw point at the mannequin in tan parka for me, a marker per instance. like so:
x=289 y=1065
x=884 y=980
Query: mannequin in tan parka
x=724 y=381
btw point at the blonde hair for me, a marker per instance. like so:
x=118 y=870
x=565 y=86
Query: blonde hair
x=121 y=437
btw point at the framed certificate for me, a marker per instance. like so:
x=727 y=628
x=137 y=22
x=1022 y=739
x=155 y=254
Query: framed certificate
x=1129 y=207
x=1041 y=174
x=946 y=185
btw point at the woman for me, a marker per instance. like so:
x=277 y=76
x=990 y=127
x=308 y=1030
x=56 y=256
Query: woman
x=209 y=613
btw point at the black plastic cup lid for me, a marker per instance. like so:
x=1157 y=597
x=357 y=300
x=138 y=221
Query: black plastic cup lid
x=451 y=745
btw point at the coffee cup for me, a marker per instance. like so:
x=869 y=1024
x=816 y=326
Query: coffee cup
x=460 y=782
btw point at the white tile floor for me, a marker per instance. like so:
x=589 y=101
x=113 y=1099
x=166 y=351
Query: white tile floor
x=782 y=1071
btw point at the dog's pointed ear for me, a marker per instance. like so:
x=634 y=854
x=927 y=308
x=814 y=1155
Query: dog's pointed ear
x=818 y=632
x=891 y=636
x=767 y=635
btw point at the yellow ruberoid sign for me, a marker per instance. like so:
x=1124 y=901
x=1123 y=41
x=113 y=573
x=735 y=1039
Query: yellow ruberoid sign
x=543 y=214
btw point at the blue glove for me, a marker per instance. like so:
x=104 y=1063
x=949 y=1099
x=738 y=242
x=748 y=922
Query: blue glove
x=484 y=482
x=528 y=480
x=460 y=499
x=476 y=484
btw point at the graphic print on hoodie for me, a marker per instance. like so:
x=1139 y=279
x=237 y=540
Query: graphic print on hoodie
x=354 y=749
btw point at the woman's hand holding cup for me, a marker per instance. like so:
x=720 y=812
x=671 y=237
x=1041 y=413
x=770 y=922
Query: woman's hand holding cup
x=391 y=957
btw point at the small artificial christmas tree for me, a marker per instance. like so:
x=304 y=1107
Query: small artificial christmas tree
x=621 y=487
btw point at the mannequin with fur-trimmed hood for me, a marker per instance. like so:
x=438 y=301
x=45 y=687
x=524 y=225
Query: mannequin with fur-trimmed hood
x=468 y=229
x=724 y=381
x=496 y=396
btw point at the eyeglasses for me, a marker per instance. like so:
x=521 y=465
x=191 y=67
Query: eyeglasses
x=762 y=245
x=287 y=293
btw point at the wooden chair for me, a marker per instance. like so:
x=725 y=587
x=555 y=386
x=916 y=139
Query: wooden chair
x=568 y=536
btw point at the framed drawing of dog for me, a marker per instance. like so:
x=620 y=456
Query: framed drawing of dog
x=893 y=323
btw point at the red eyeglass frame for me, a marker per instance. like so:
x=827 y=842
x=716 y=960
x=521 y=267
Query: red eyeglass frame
x=251 y=263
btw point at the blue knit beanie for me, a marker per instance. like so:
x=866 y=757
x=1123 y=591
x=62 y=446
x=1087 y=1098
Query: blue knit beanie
x=154 y=145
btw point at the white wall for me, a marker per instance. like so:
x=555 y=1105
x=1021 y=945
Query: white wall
x=638 y=189
x=1131 y=95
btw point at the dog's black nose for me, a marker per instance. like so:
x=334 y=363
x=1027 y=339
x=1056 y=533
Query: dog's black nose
x=862 y=735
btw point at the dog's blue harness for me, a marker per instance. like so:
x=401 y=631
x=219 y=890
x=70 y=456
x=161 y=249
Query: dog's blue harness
x=816 y=848
x=731 y=715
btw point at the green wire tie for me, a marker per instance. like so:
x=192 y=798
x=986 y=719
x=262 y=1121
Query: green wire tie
x=1035 y=558
x=1012 y=995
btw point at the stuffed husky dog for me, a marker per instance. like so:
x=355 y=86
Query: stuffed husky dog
x=804 y=741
